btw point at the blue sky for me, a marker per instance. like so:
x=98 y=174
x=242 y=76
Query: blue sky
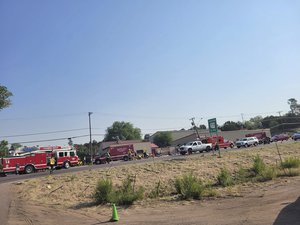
x=152 y=63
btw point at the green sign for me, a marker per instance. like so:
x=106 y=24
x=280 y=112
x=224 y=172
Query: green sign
x=212 y=125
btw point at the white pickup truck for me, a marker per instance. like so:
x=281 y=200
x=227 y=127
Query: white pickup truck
x=195 y=146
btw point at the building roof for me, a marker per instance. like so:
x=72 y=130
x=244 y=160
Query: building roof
x=178 y=134
x=153 y=145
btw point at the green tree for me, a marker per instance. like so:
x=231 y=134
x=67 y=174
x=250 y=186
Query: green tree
x=4 y=97
x=269 y=121
x=163 y=139
x=294 y=106
x=254 y=123
x=202 y=126
x=3 y=148
x=84 y=149
x=230 y=125
x=122 y=131
x=15 y=145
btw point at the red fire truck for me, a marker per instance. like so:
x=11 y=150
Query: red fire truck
x=30 y=162
x=220 y=140
x=117 y=152
x=24 y=164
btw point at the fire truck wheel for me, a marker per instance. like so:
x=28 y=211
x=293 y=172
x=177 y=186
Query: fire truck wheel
x=67 y=165
x=126 y=158
x=98 y=161
x=29 y=169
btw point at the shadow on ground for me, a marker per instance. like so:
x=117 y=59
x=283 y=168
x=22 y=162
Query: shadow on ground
x=83 y=205
x=289 y=214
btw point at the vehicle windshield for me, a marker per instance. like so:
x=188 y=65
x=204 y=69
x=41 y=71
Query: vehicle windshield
x=244 y=139
x=190 y=143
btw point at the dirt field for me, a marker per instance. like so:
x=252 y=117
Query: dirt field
x=273 y=202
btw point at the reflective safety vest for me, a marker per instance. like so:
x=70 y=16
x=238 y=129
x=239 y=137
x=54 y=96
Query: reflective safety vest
x=52 y=161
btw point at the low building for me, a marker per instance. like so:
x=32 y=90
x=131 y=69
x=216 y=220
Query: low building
x=183 y=137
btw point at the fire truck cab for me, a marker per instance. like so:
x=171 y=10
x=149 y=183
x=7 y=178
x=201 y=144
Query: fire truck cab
x=65 y=158
x=221 y=142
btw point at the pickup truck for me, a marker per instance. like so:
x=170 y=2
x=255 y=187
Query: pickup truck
x=195 y=146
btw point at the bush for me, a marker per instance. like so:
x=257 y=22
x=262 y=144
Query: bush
x=127 y=194
x=268 y=173
x=103 y=192
x=224 y=178
x=291 y=162
x=189 y=187
x=261 y=171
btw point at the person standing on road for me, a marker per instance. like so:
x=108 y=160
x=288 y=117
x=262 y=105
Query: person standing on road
x=108 y=159
x=52 y=164
x=17 y=168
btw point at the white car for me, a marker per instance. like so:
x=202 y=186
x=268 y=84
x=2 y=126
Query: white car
x=246 y=142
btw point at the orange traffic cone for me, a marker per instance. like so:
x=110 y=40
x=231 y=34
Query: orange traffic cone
x=115 y=216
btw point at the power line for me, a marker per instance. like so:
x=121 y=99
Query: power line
x=132 y=115
x=46 y=116
x=50 y=132
x=47 y=132
x=55 y=139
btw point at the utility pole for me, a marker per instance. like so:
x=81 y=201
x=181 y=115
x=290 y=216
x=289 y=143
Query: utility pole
x=242 y=114
x=281 y=121
x=194 y=126
x=90 y=113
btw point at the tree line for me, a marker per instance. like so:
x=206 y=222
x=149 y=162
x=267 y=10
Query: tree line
x=288 y=122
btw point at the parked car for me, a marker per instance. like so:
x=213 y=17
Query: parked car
x=280 y=137
x=246 y=142
x=296 y=136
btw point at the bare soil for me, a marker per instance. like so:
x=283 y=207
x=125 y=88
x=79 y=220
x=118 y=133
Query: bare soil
x=66 y=199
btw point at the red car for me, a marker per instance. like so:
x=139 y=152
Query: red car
x=280 y=137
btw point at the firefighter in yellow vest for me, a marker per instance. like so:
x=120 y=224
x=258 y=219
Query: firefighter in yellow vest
x=130 y=154
x=52 y=164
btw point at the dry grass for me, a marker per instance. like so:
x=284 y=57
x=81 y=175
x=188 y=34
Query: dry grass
x=78 y=188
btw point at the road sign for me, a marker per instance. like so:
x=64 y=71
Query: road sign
x=212 y=125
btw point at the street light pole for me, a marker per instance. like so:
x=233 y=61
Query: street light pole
x=90 y=113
